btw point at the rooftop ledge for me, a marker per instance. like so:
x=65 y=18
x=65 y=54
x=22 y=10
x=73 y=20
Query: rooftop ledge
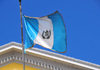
x=50 y=55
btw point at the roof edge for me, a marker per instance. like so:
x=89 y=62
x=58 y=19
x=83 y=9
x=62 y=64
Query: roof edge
x=55 y=56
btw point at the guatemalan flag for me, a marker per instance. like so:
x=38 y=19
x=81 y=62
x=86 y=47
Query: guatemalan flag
x=48 y=31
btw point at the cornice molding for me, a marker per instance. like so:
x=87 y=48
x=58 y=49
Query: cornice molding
x=50 y=55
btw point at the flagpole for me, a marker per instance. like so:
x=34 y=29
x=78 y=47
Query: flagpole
x=23 y=56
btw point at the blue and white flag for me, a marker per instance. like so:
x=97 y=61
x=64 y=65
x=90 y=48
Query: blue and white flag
x=48 y=31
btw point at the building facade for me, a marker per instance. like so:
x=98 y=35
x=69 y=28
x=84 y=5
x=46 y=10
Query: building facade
x=37 y=59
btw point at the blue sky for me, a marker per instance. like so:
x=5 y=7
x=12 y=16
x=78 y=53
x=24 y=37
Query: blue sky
x=81 y=17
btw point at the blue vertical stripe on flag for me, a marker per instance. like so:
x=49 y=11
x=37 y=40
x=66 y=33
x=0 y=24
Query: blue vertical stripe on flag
x=31 y=27
x=59 y=32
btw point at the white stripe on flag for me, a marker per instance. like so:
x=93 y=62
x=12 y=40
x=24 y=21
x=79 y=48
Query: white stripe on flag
x=45 y=24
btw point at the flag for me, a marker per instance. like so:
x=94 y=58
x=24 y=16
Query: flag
x=48 y=31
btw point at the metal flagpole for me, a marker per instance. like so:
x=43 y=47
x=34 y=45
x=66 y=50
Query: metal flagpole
x=23 y=56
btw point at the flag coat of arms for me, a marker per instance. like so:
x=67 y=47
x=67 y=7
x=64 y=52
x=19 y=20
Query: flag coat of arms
x=48 y=31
